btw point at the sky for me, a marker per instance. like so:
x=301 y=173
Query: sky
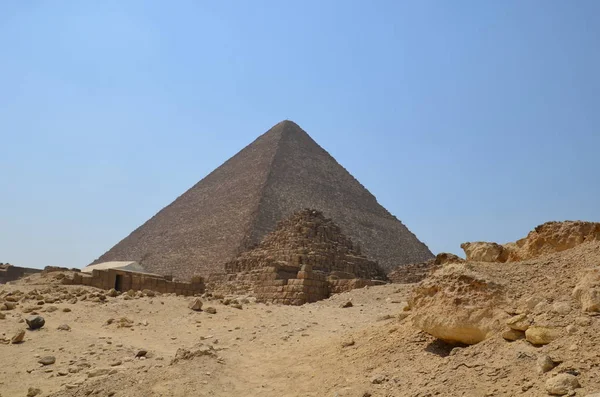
x=468 y=120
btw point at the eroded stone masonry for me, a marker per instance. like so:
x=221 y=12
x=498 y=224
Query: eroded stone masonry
x=306 y=259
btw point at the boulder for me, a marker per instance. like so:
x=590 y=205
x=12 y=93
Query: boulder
x=513 y=335
x=64 y=327
x=195 y=305
x=484 y=252
x=47 y=360
x=587 y=290
x=35 y=322
x=211 y=310
x=458 y=305
x=519 y=323
x=538 y=335
x=18 y=337
x=33 y=391
x=562 y=384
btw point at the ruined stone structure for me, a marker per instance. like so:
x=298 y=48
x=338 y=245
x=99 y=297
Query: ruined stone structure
x=416 y=272
x=9 y=272
x=234 y=207
x=305 y=259
x=123 y=280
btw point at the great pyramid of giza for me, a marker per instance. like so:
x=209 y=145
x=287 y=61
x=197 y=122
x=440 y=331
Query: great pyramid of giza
x=234 y=207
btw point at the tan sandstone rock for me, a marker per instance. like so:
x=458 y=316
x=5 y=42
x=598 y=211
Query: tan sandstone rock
x=537 y=335
x=562 y=384
x=456 y=304
x=484 y=252
x=196 y=304
x=587 y=291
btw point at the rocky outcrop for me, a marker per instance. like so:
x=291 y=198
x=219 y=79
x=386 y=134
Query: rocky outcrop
x=587 y=291
x=547 y=238
x=416 y=272
x=457 y=304
x=481 y=251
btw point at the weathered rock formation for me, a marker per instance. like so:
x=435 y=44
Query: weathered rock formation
x=457 y=304
x=304 y=260
x=415 y=272
x=547 y=238
x=233 y=208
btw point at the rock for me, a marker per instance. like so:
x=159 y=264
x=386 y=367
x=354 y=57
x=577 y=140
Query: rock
x=198 y=350
x=141 y=353
x=236 y=306
x=116 y=363
x=346 y=304
x=562 y=308
x=513 y=335
x=18 y=337
x=35 y=322
x=457 y=304
x=587 y=291
x=51 y=309
x=66 y=310
x=98 y=372
x=484 y=252
x=519 y=323
x=583 y=321
x=113 y=293
x=378 y=379
x=537 y=335
x=149 y=293
x=195 y=305
x=33 y=391
x=562 y=384
x=64 y=327
x=211 y=310
x=2 y=316
x=545 y=364
x=348 y=343
x=47 y=360
x=9 y=305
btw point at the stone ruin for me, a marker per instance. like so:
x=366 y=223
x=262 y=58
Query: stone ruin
x=417 y=272
x=307 y=258
x=9 y=272
x=124 y=280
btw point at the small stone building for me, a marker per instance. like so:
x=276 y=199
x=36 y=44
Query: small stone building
x=306 y=259
x=9 y=272
x=120 y=276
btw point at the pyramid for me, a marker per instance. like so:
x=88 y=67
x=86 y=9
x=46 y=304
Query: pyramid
x=235 y=206
x=308 y=238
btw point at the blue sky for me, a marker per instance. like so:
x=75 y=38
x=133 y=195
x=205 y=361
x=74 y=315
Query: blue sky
x=469 y=120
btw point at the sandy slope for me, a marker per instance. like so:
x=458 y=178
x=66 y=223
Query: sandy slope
x=313 y=350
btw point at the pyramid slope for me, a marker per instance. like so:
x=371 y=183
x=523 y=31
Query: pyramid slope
x=304 y=175
x=235 y=206
x=206 y=225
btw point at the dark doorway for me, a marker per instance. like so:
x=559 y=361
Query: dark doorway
x=119 y=283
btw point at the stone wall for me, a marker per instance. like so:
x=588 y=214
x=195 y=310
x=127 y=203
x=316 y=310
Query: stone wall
x=123 y=280
x=9 y=272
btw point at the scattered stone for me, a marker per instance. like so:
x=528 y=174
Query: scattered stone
x=195 y=305
x=211 y=310
x=562 y=384
x=513 y=335
x=64 y=327
x=545 y=364
x=51 y=309
x=348 y=343
x=98 y=372
x=47 y=360
x=33 y=391
x=2 y=316
x=346 y=304
x=236 y=306
x=9 y=305
x=116 y=363
x=18 y=337
x=66 y=309
x=378 y=379
x=35 y=322
x=537 y=335
x=141 y=353
x=519 y=323
x=113 y=293
x=197 y=351
x=562 y=308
